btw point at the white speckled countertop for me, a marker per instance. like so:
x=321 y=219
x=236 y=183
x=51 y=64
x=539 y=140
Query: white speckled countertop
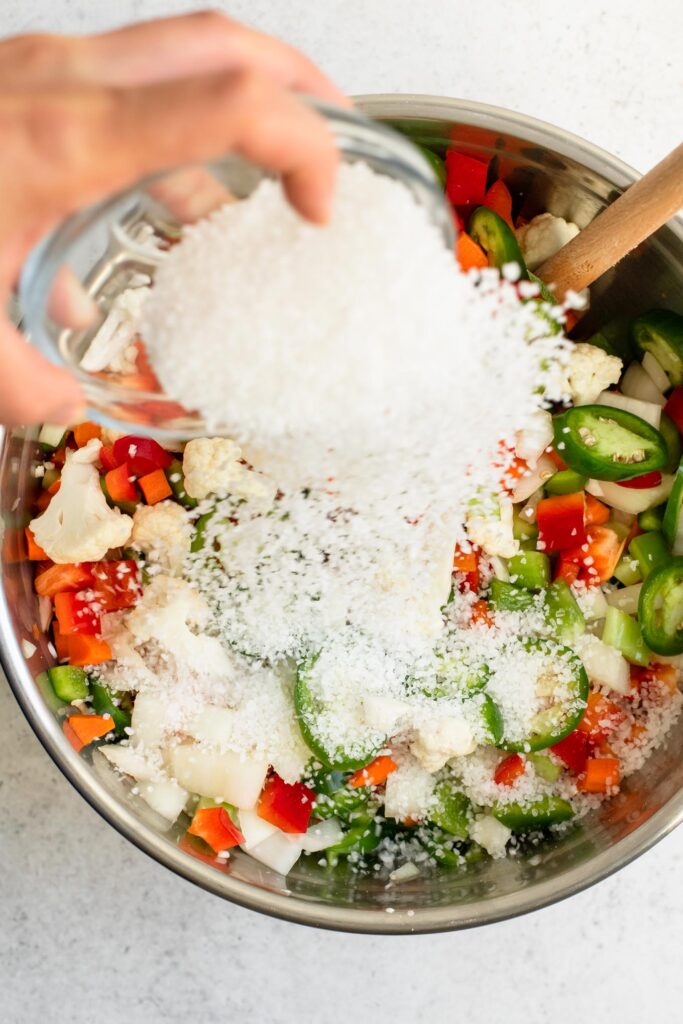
x=94 y=930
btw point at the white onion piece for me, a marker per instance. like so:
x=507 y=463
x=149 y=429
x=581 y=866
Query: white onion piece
x=279 y=852
x=405 y=872
x=648 y=411
x=528 y=513
x=148 y=720
x=222 y=775
x=592 y=603
x=654 y=370
x=533 y=479
x=321 y=835
x=255 y=829
x=626 y=598
x=213 y=725
x=129 y=760
x=627 y=518
x=628 y=499
x=532 y=441
x=638 y=384
x=604 y=665
x=500 y=569
x=165 y=797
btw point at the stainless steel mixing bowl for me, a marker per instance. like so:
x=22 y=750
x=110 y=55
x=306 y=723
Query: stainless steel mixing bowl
x=554 y=171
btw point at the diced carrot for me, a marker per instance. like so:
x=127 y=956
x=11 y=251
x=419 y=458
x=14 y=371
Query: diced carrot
x=155 y=486
x=499 y=200
x=81 y=730
x=85 y=432
x=601 y=718
x=54 y=487
x=469 y=254
x=60 y=578
x=35 y=552
x=119 y=485
x=58 y=457
x=43 y=500
x=465 y=561
x=62 y=642
x=195 y=848
x=600 y=775
x=596 y=512
x=481 y=613
x=375 y=773
x=85 y=649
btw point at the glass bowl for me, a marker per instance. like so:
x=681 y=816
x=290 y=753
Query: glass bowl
x=119 y=243
x=548 y=169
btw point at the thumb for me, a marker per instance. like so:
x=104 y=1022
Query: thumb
x=31 y=389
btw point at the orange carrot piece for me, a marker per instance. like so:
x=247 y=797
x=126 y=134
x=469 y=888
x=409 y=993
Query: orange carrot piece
x=60 y=578
x=465 y=561
x=559 y=462
x=481 y=613
x=42 y=501
x=600 y=775
x=35 y=552
x=58 y=457
x=86 y=649
x=499 y=200
x=81 y=730
x=375 y=773
x=61 y=641
x=53 y=488
x=155 y=486
x=85 y=432
x=468 y=254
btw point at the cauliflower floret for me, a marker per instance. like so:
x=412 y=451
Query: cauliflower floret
x=439 y=739
x=589 y=372
x=543 y=236
x=491 y=834
x=165 y=613
x=491 y=529
x=163 y=532
x=78 y=525
x=211 y=466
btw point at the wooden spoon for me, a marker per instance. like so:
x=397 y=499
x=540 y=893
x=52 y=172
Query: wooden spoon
x=640 y=211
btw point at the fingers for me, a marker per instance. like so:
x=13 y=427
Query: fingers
x=31 y=389
x=203 y=43
x=102 y=141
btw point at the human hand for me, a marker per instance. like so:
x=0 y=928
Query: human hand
x=81 y=117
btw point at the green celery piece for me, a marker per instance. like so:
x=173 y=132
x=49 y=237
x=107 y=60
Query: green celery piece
x=530 y=570
x=622 y=632
x=509 y=598
x=563 y=612
x=627 y=571
x=652 y=518
x=545 y=767
x=565 y=481
x=524 y=531
x=452 y=811
x=650 y=551
x=69 y=682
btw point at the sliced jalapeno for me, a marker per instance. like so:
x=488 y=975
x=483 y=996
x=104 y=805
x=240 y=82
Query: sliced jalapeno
x=497 y=240
x=310 y=708
x=661 y=332
x=608 y=444
x=672 y=524
x=176 y=481
x=563 y=613
x=435 y=162
x=558 y=719
x=541 y=813
x=660 y=609
x=669 y=431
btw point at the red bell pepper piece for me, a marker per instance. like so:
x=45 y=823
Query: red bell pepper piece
x=573 y=751
x=115 y=585
x=58 y=578
x=601 y=718
x=465 y=179
x=499 y=200
x=674 y=407
x=561 y=521
x=214 y=826
x=639 y=483
x=566 y=570
x=119 y=485
x=597 y=557
x=466 y=564
x=142 y=454
x=288 y=807
x=509 y=770
x=107 y=458
x=75 y=614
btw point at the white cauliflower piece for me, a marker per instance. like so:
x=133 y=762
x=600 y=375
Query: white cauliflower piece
x=165 y=613
x=491 y=529
x=491 y=834
x=589 y=372
x=211 y=466
x=78 y=525
x=163 y=532
x=438 y=739
x=543 y=236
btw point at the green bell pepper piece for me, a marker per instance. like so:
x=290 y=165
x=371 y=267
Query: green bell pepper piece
x=627 y=571
x=103 y=704
x=524 y=531
x=565 y=481
x=669 y=431
x=496 y=239
x=545 y=767
x=506 y=597
x=494 y=727
x=661 y=332
x=176 y=481
x=69 y=682
x=651 y=519
x=539 y=814
x=335 y=799
x=530 y=570
x=608 y=444
x=360 y=839
x=623 y=632
x=563 y=612
x=616 y=339
x=660 y=609
x=650 y=552
x=452 y=810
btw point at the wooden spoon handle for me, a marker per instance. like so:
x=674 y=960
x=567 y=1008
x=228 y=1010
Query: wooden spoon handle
x=623 y=225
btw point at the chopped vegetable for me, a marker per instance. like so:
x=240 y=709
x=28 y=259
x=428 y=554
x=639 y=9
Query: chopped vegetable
x=81 y=730
x=660 y=609
x=608 y=444
x=155 y=487
x=465 y=179
x=286 y=806
x=509 y=770
x=213 y=825
x=561 y=521
x=497 y=240
x=375 y=773
x=600 y=775
x=69 y=683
